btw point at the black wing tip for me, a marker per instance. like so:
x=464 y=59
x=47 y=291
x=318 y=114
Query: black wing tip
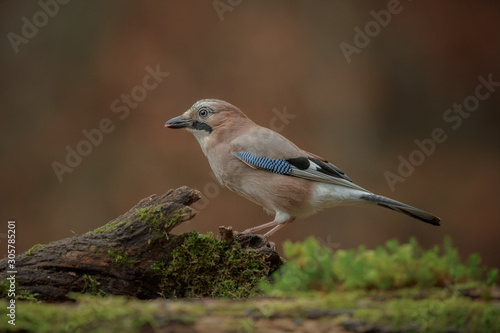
x=346 y=177
x=329 y=169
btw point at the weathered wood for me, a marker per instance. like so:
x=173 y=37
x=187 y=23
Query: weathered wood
x=117 y=258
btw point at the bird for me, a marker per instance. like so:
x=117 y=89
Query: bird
x=271 y=171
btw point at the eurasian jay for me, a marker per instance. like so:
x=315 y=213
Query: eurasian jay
x=271 y=171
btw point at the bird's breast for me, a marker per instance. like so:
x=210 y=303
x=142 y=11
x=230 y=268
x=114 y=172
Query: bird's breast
x=272 y=191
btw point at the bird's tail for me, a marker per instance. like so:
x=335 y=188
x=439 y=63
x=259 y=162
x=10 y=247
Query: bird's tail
x=402 y=208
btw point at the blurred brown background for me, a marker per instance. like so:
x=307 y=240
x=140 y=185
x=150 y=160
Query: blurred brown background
x=261 y=56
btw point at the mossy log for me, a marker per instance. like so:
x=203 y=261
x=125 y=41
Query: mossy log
x=136 y=255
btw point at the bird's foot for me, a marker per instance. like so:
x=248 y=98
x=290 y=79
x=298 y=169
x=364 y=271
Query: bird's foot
x=271 y=224
x=254 y=240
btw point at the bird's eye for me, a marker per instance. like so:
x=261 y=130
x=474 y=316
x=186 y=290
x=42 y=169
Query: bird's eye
x=203 y=113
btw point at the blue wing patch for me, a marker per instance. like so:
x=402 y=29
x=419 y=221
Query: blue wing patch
x=281 y=167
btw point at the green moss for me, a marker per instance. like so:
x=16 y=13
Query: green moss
x=19 y=294
x=402 y=310
x=445 y=314
x=204 y=266
x=396 y=287
x=393 y=266
x=120 y=257
x=4 y=288
x=35 y=248
x=88 y=314
x=245 y=325
x=25 y=295
x=109 y=227
x=158 y=267
x=92 y=286
x=154 y=217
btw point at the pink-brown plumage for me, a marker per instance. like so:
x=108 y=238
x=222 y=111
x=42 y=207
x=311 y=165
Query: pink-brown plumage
x=274 y=173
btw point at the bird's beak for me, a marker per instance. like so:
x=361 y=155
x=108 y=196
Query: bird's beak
x=178 y=122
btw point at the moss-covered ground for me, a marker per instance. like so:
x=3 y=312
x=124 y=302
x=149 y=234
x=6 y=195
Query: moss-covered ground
x=394 y=288
x=205 y=266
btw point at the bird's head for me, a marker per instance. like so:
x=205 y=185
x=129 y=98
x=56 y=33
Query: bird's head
x=208 y=118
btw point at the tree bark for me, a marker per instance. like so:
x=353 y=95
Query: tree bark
x=117 y=258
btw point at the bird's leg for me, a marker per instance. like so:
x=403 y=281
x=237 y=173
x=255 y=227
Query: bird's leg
x=260 y=227
x=273 y=230
x=279 y=222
